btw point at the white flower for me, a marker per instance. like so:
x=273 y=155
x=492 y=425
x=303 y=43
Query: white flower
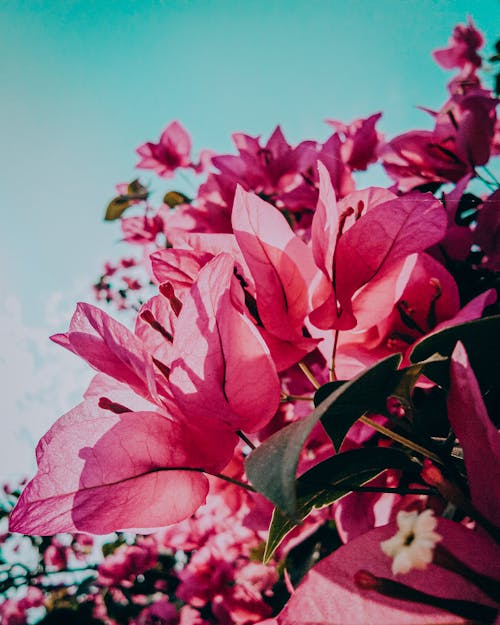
x=413 y=546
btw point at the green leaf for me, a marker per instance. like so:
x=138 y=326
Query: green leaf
x=272 y=467
x=366 y=392
x=481 y=339
x=174 y=198
x=405 y=379
x=117 y=207
x=332 y=479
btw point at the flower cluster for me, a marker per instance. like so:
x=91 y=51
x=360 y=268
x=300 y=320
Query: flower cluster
x=317 y=363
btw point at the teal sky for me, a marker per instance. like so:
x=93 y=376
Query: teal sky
x=85 y=82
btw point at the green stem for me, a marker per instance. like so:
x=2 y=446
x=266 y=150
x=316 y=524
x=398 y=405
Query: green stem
x=309 y=374
x=401 y=439
x=286 y=398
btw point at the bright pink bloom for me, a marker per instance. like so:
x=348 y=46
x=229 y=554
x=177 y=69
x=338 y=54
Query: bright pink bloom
x=12 y=613
x=415 y=158
x=222 y=371
x=367 y=253
x=142 y=229
x=103 y=469
x=478 y=436
x=110 y=347
x=360 y=141
x=128 y=561
x=284 y=274
x=462 y=49
x=427 y=302
x=171 y=152
x=56 y=555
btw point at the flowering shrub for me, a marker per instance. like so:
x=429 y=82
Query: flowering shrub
x=301 y=426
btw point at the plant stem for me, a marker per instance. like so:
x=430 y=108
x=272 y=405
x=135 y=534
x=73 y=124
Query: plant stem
x=285 y=397
x=397 y=491
x=231 y=480
x=333 y=375
x=245 y=439
x=309 y=374
x=401 y=439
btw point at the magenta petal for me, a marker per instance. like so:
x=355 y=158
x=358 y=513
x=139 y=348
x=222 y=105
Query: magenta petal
x=477 y=434
x=385 y=235
x=109 y=347
x=282 y=265
x=222 y=371
x=100 y=472
x=329 y=595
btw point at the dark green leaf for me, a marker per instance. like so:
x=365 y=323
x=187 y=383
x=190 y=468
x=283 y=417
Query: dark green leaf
x=481 y=339
x=272 y=467
x=405 y=379
x=332 y=479
x=366 y=392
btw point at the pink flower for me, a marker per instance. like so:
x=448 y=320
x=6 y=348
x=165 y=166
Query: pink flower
x=284 y=274
x=359 y=247
x=103 y=469
x=171 y=152
x=142 y=229
x=222 y=372
x=462 y=49
x=128 y=561
x=360 y=140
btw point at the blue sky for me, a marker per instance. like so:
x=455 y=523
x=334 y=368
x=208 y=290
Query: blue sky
x=85 y=82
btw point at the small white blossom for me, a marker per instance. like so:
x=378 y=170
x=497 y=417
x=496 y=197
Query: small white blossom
x=413 y=546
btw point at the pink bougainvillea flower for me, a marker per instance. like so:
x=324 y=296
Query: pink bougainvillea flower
x=371 y=247
x=360 y=141
x=171 y=152
x=102 y=468
x=330 y=154
x=109 y=347
x=478 y=436
x=463 y=137
x=141 y=229
x=462 y=49
x=222 y=371
x=465 y=126
x=415 y=158
x=128 y=561
x=329 y=594
x=284 y=273
x=428 y=302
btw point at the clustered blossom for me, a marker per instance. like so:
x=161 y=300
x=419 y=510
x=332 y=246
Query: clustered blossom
x=282 y=295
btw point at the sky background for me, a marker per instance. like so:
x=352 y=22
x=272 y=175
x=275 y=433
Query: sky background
x=83 y=83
